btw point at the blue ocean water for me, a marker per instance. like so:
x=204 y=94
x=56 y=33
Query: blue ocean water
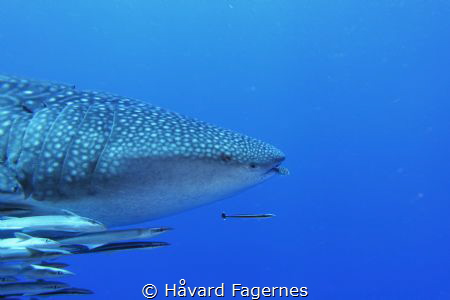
x=356 y=93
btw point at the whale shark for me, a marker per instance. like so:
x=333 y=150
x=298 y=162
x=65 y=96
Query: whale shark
x=114 y=159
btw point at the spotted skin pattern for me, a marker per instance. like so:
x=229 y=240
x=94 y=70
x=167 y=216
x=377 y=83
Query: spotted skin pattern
x=55 y=139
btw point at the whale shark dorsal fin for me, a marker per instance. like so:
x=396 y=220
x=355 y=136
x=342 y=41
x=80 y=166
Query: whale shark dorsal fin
x=69 y=213
x=22 y=236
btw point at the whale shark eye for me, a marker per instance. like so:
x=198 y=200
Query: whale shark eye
x=252 y=165
x=225 y=157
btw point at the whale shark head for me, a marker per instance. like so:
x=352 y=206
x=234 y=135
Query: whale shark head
x=222 y=168
x=178 y=163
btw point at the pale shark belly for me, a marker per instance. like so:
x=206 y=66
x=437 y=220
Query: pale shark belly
x=166 y=188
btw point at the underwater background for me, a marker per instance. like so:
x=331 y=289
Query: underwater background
x=356 y=93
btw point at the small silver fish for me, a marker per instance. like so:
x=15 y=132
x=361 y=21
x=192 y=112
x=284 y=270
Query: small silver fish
x=58 y=265
x=30 y=288
x=68 y=291
x=247 y=216
x=125 y=246
x=27 y=254
x=22 y=240
x=96 y=239
x=37 y=271
x=33 y=271
x=68 y=222
x=12 y=206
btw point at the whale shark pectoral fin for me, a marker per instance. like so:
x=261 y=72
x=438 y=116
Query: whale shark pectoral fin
x=8 y=181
